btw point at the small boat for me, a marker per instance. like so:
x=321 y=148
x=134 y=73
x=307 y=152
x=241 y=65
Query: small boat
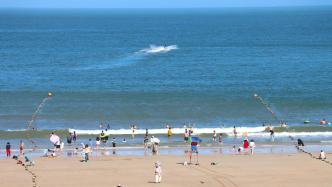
x=306 y=121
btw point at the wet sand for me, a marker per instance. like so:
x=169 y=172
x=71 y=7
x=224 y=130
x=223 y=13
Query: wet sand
x=271 y=170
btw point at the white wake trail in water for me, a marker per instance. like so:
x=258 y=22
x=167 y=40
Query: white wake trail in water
x=133 y=58
x=153 y=49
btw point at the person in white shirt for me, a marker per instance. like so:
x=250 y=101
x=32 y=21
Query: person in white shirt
x=322 y=155
x=157 y=172
x=252 y=145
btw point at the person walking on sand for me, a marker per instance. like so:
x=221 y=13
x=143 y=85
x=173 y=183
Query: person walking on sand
x=8 y=150
x=252 y=146
x=21 y=147
x=157 y=172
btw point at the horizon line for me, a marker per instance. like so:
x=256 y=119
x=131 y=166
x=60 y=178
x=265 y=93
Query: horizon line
x=207 y=7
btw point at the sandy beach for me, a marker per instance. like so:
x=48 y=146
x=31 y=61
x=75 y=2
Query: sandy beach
x=231 y=170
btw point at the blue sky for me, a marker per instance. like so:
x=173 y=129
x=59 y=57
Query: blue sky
x=157 y=3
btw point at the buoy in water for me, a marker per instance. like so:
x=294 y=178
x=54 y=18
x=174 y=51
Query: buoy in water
x=50 y=94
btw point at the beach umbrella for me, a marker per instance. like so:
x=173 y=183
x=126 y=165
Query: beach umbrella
x=54 y=138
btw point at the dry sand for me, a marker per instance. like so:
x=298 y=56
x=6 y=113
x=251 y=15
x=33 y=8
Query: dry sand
x=280 y=170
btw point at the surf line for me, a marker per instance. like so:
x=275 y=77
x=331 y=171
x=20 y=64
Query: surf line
x=34 y=117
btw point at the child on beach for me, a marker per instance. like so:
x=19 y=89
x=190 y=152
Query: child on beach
x=97 y=142
x=252 y=146
x=8 y=152
x=157 y=172
x=322 y=155
x=245 y=145
x=21 y=147
x=85 y=153
x=113 y=142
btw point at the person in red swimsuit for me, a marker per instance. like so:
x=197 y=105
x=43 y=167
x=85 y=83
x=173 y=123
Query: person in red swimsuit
x=245 y=144
x=8 y=146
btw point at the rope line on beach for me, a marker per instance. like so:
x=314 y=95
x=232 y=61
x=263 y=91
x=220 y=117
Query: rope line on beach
x=26 y=168
x=34 y=176
x=308 y=153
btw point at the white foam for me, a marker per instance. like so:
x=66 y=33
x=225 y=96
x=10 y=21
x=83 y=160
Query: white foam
x=250 y=131
x=294 y=134
x=228 y=130
x=157 y=49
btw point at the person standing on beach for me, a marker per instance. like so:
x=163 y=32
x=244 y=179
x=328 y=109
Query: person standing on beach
x=186 y=135
x=8 y=150
x=97 y=142
x=194 y=149
x=69 y=138
x=252 y=146
x=245 y=145
x=146 y=132
x=220 y=138
x=90 y=142
x=214 y=137
x=21 y=147
x=74 y=136
x=146 y=142
x=86 y=152
x=272 y=134
x=157 y=172
x=234 y=131
x=113 y=142
x=169 y=132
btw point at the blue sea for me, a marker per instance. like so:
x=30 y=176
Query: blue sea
x=152 y=67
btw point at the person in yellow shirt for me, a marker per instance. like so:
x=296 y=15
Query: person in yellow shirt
x=169 y=132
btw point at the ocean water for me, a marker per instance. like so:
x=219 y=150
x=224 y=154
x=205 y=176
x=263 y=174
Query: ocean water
x=176 y=66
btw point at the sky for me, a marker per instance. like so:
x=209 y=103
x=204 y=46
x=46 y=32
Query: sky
x=157 y=3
